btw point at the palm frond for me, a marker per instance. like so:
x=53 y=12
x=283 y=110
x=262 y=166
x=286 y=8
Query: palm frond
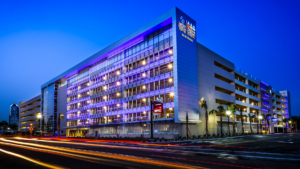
x=212 y=111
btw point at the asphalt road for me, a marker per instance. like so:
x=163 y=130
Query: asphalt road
x=261 y=151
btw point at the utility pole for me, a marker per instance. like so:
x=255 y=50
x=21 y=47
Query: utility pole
x=42 y=131
x=58 y=126
x=151 y=117
x=187 y=125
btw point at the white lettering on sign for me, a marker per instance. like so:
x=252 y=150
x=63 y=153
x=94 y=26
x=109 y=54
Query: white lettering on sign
x=186 y=37
x=188 y=28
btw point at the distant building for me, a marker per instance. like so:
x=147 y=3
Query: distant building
x=30 y=112
x=14 y=114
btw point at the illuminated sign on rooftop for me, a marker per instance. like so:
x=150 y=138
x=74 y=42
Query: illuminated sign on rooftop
x=187 y=27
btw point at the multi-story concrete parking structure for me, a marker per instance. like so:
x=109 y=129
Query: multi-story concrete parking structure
x=30 y=112
x=109 y=93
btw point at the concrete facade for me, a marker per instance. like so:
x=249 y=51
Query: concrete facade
x=28 y=113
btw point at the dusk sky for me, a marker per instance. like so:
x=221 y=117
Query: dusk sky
x=39 y=40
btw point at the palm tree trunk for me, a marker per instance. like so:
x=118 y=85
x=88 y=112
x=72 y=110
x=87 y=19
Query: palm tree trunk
x=260 y=126
x=285 y=128
x=233 y=126
x=257 y=129
x=242 y=123
x=250 y=126
x=206 y=119
x=265 y=127
x=221 y=124
x=269 y=126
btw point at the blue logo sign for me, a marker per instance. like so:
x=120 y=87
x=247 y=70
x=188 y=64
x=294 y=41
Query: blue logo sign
x=181 y=20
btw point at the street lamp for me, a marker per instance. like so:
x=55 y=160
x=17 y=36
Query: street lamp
x=228 y=112
x=39 y=116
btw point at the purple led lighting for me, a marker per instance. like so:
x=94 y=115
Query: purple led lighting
x=264 y=83
x=120 y=47
x=263 y=89
x=145 y=81
x=148 y=94
x=83 y=80
x=126 y=111
x=79 y=100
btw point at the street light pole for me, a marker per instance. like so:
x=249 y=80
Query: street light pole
x=151 y=118
x=260 y=117
x=187 y=126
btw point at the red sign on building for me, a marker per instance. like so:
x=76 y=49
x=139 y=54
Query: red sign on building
x=157 y=107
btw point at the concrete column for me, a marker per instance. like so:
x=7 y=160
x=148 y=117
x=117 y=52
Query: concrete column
x=123 y=129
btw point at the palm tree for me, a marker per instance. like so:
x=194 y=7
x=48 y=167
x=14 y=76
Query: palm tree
x=13 y=126
x=232 y=108
x=264 y=118
x=242 y=119
x=204 y=106
x=221 y=110
x=257 y=121
x=3 y=124
x=294 y=122
x=285 y=120
x=250 y=116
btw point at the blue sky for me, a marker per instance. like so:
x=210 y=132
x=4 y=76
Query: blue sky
x=39 y=40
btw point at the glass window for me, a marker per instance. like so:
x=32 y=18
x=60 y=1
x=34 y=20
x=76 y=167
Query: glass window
x=155 y=39
x=48 y=108
x=146 y=44
x=142 y=46
x=150 y=42
x=166 y=35
x=130 y=52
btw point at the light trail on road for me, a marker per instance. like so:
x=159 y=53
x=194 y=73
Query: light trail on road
x=97 y=145
x=70 y=155
x=31 y=160
x=102 y=141
x=112 y=156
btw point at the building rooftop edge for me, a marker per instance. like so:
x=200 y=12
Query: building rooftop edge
x=118 y=44
x=29 y=101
